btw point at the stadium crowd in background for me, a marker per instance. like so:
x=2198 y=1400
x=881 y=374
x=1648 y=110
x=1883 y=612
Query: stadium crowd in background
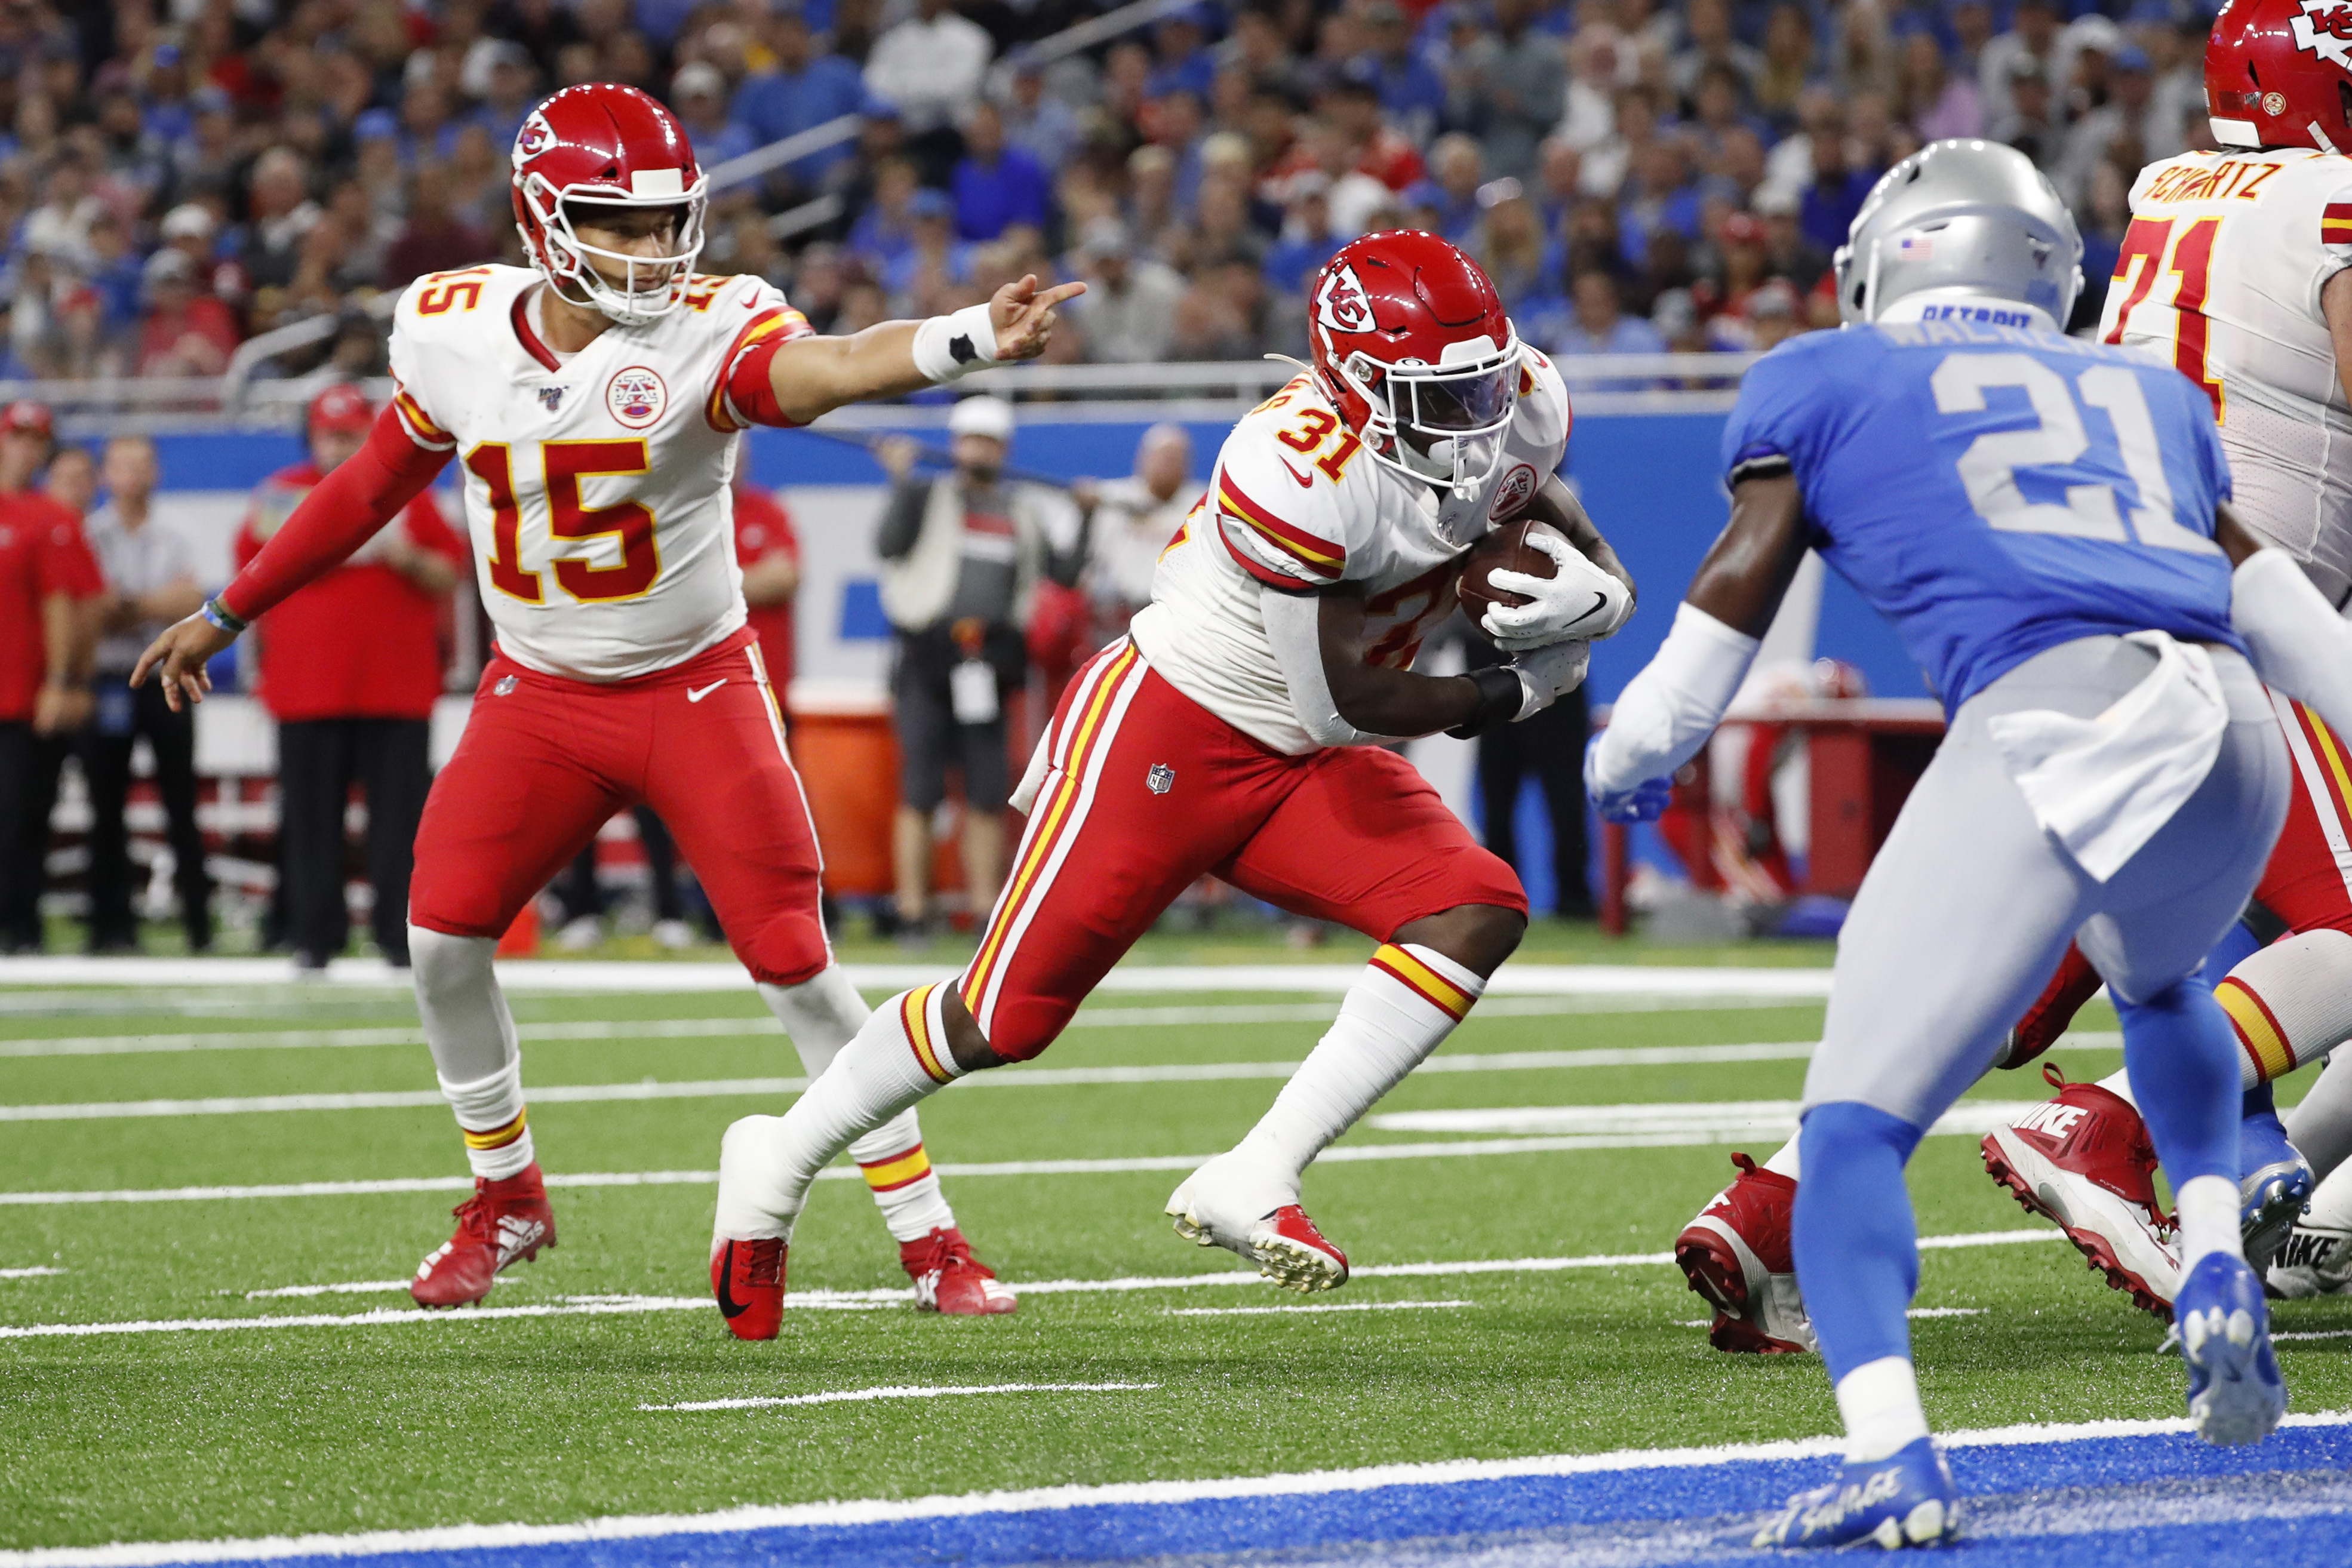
x=179 y=175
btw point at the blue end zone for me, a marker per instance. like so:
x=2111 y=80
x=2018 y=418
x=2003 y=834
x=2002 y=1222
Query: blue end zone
x=2143 y=1500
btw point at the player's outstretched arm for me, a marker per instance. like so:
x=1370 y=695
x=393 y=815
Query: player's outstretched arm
x=2300 y=645
x=1667 y=712
x=342 y=512
x=811 y=376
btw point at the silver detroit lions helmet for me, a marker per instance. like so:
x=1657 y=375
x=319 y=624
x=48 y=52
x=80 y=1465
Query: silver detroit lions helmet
x=1961 y=220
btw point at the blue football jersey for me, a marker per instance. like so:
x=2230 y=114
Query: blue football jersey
x=1994 y=493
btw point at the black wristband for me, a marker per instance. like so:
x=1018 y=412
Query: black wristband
x=1500 y=698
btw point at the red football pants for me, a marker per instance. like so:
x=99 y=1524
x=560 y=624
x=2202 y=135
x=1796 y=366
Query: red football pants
x=545 y=762
x=1147 y=790
x=2306 y=885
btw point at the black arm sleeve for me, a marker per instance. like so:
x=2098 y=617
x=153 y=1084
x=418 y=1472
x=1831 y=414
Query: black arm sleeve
x=902 y=519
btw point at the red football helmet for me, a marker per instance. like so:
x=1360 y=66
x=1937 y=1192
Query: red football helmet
x=1410 y=341
x=2280 y=75
x=609 y=145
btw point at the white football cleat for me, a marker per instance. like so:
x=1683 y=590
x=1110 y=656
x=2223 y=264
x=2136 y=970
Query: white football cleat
x=2316 y=1257
x=1246 y=1209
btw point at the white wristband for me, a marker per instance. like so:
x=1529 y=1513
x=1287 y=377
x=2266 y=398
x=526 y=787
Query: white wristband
x=1667 y=712
x=947 y=347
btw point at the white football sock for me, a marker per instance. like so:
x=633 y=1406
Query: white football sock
x=821 y=1016
x=2291 y=1003
x=2209 y=1217
x=1880 y=1401
x=1784 y=1163
x=1407 y=1002
x=2320 y=1128
x=766 y=1162
x=475 y=1055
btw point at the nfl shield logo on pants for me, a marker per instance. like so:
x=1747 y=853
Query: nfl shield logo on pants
x=1160 y=779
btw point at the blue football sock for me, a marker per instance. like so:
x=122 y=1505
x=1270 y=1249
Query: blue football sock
x=2183 y=1059
x=2231 y=952
x=1857 y=1244
x=2260 y=1100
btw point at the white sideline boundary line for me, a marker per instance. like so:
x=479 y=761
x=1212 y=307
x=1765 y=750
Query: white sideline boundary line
x=1737 y=983
x=854 y=1301
x=768 y=1028
x=903 y=1391
x=883 y=1510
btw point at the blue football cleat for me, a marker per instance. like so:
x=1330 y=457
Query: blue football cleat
x=2235 y=1392
x=2275 y=1185
x=1907 y=1499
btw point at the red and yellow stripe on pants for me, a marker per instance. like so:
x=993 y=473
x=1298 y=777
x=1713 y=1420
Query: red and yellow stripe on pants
x=1082 y=732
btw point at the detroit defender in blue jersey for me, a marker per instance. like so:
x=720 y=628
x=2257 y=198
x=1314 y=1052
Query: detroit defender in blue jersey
x=2045 y=522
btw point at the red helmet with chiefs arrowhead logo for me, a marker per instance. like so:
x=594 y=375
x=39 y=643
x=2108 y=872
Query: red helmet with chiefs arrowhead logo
x=1411 y=343
x=602 y=144
x=2278 y=73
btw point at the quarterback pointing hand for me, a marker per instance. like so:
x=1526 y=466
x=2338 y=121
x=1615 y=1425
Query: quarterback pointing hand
x=594 y=401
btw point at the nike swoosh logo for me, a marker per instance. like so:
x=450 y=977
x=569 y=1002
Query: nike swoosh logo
x=694 y=696
x=729 y=1307
x=1598 y=601
x=1304 y=482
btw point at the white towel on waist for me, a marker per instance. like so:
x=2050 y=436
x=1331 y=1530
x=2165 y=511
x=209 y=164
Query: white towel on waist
x=2103 y=786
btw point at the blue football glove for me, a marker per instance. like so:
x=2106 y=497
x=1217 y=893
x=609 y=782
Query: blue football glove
x=1646 y=801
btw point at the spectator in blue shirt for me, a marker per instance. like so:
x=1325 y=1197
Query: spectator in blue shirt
x=1034 y=120
x=804 y=90
x=1308 y=239
x=164 y=95
x=1456 y=170
x=508 y=87
x=886 y=230
x=1413 y=95
x=1181 y=61
x=994 y=185
x=699 y=95
x=933 y=259
x=1597 y=323
x=1826 y=209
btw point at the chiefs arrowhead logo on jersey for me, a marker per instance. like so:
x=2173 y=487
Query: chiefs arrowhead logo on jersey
x=1342 y=303
x=2324 y=29
x=1518 y=487
x=637 y=397
x=535 y=137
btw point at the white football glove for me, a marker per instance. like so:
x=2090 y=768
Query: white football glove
x=1579 y=601
x=1548 y=673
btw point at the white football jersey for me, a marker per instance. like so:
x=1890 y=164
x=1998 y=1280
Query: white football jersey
x=596 y=483
x=1296 y=504
x=2221 y=275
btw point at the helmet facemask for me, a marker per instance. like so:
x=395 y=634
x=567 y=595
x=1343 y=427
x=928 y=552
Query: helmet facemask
x=644 y=288
x=1442 y=424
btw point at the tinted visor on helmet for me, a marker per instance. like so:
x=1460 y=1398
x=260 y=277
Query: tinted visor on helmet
x=1460 y=405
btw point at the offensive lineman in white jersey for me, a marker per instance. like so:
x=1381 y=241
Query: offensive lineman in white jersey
x=1235 y=732
x=594 y=401
x=2237 y=269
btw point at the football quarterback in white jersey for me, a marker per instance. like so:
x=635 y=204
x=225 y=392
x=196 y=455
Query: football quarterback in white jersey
x=1238 y=732
x=594 y=402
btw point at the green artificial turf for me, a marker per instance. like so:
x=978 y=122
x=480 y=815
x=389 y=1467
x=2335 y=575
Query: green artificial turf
x=482 y=1418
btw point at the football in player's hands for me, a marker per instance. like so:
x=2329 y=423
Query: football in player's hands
x=1525 y=586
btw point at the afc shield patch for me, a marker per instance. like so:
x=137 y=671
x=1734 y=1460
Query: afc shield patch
x=1342 y=303
x=1518 y=488
x=1160 y=779
x=637 y=397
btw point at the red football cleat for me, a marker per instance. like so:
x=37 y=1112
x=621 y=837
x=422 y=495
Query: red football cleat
x=2084 y=1161
x=504 y=1220
x=949 y=1279
x=1737 y=1255
x=748 y=1278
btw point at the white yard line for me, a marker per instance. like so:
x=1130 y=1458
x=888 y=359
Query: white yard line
x=1710 y=1119
x=855 y=1300
x=904 y=1391
x=28 y=1273
x=350 y=1288
x=1310 y=1306
x=654 y=977
x=968 y=1505
x=752 y=1028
